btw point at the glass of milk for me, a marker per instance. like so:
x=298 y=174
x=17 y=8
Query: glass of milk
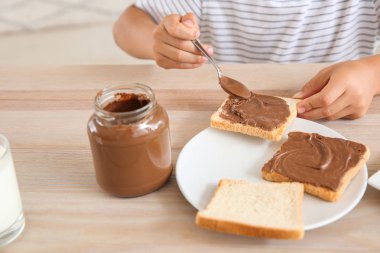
x=11 y=215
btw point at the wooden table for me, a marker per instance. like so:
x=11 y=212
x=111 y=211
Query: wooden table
x=44 y=112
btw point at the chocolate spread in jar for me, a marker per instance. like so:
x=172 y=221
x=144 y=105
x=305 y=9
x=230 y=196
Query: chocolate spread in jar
x=265 y=112
x=316 y=159
x=125 y=102
x=130 y=143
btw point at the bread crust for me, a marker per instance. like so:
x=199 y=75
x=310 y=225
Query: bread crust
x=273 y=135
x=243 y=229
x=320 y=191
x=238 y=228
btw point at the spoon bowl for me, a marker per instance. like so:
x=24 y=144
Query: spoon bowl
x=229 y=85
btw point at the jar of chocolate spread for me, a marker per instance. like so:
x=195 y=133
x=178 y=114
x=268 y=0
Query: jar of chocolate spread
x=130 y=141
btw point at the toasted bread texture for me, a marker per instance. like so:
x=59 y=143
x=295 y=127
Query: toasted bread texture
x=318 y=190
x=269 y=210
x=273 y=135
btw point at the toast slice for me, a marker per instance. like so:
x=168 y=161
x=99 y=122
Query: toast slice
x=324 y=165
x=275 y=134
x=270 y=210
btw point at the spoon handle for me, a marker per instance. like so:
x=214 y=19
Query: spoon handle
x=198 y=45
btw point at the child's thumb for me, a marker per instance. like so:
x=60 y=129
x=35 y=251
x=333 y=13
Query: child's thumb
x=313 y=86
x=189 y=20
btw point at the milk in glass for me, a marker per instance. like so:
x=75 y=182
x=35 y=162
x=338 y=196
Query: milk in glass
x=11 y=215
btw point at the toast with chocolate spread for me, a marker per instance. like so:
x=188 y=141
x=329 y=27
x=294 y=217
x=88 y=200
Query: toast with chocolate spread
x=269 y=210
x=323 y=164
x=260 y=115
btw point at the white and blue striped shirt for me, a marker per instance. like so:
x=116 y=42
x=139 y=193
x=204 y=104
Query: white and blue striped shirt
x=280 y=31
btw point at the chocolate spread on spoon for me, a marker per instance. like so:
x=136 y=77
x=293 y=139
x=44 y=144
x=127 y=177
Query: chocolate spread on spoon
x=229 y=85
x=234 y=87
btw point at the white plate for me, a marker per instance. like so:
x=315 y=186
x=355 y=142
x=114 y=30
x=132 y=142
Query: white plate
x=374 y=180
x=215 y=154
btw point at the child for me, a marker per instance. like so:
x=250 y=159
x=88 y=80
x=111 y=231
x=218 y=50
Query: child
x=245 y=31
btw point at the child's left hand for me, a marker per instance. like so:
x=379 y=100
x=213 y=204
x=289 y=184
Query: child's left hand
x=343 y=90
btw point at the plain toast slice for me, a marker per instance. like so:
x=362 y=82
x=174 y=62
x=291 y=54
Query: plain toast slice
x=270 y=210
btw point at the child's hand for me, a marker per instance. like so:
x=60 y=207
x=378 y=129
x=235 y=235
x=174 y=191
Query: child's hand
x=343 y=90
x=172 y=47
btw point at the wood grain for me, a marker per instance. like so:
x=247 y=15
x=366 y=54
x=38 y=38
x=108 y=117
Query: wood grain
x=44 y=112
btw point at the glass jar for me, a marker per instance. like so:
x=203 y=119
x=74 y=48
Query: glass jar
x=130 y=141
x=12 y=220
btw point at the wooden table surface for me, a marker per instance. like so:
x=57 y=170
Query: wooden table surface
x=44 y=112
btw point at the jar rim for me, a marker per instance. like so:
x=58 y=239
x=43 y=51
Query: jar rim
x=144 y=89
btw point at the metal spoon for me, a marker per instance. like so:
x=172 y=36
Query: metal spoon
x=229 y=85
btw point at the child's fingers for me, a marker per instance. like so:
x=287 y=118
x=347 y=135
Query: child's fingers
x=328 y=95
x=172 y=42
x=315 y=84
x=173 y=25
x=343 y=113
x=185 y=45
x=355 y=115
x=190 y=20
x=178 y=55
x=209 y=49
x=348 y=113
x=167 y=63
x=331 y=111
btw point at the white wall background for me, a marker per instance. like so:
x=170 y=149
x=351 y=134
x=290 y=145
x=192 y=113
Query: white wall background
x=55 y=32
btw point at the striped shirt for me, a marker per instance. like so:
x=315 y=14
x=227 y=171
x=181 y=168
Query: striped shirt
x=280 y=31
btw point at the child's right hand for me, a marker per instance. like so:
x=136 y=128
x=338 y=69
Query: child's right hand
x=172 y=46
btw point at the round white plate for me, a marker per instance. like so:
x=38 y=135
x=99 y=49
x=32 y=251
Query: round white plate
x=214 y=154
